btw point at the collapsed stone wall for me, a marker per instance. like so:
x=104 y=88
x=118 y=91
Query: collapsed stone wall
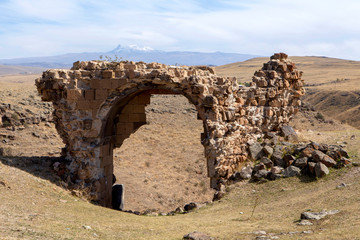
x=98 y=104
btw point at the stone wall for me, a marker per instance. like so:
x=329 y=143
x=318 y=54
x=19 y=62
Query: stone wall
x=99 y=104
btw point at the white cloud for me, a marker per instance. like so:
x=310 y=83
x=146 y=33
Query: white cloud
x=40 y=27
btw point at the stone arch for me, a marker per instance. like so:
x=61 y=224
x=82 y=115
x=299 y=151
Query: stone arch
x=89 y=95
x=137 y=99
x=119 y=100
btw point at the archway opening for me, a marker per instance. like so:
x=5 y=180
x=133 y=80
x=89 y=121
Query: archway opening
x=158 y=155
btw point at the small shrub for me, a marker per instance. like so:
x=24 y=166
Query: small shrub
x=319 y=117
x=110 y=59
x=15 y=116
x=6 y=123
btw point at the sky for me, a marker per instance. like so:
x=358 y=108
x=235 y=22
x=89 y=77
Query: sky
x=331 y=28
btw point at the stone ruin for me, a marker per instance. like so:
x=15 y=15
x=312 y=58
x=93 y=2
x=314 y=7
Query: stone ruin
x=98 y=104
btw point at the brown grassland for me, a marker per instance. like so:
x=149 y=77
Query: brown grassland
x=162 y=166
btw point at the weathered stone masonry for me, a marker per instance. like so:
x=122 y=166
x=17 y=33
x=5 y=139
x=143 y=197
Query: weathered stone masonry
x=99 y=104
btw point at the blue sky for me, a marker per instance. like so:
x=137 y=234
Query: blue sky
x=298 y=27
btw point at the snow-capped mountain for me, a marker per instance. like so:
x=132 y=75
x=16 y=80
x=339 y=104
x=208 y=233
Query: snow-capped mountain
x=130 y=48
x=133 y=53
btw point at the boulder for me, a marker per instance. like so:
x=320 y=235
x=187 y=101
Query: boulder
x=343 y=153
x=289 y=159
x=260 y=174
x=277 y=157
x=255 y=150
x=321 y=170
x=317 y=215
x=271 y=137
x=299 y=148
x=292 y=171
x=328 y=161
x=312 y=167
x=323 y=147
x=305 y=222
x=268 y=150
x=307 y=152
x=267 y=162
x=317 y=155
x=191 y=206
x=259 y=167
x=274 y=176
x=289 y=133
x=301 y=162
x=198 y=236
x=276 y=170
x=314 y=145
x=343 y=162
x=246 y=172
x=313 y=215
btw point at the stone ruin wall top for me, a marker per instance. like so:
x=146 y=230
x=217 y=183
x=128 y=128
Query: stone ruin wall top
x=234 y=116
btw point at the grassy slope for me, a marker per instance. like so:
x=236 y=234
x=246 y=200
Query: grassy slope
x=33 y=206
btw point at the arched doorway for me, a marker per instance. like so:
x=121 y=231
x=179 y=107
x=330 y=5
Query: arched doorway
x=127 y=114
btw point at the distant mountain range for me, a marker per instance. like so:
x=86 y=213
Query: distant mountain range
x=133 y=53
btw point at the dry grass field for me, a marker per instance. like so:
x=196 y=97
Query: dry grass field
x=163 y=167
x=6 y=70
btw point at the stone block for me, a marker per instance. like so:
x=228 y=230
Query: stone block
x=108 y=171
x=91 y=134
x=124 y=127
x=74 y=94
x=115 y=83
x=83 y=104
x=142 y=99
x=101 y=94
x=131 y=74
x=108 y=74
x=96 y=104
x=129 y=108
x=95 y=84
x=124 y=117
x=89 y=94
x=105 y=150
x=106 y=160
x=106 y=83
x=139 y=108
x=119 y=139
x=135 y=117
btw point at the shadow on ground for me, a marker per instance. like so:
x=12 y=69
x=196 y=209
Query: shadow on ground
x=35 y=165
